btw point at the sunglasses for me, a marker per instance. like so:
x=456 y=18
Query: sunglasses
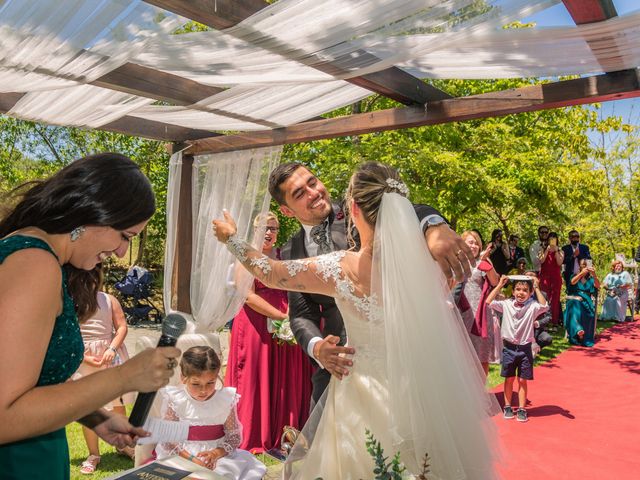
x=543 y=232
x=271 y=229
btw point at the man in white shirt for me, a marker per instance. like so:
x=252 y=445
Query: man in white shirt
x=537 y=246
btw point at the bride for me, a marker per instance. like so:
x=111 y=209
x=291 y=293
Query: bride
x=416 y=384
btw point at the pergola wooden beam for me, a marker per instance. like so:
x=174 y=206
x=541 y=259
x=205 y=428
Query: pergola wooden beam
x=218 y=14
x=590 y=11
x=392 y=82
x=600 y=88
x=150 y=83
x=129 y=125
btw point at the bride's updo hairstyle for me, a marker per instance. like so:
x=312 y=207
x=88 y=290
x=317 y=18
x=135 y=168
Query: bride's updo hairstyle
x=369 y=183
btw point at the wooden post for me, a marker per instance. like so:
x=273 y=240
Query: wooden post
x=181 y=281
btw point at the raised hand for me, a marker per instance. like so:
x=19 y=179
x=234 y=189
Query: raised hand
x=451 y=252
x=223 y=229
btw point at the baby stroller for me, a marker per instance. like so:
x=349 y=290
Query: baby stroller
x=135 y=294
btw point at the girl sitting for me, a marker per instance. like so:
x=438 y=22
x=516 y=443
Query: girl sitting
x=214 y=432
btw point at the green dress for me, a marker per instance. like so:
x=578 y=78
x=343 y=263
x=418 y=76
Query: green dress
x=45 y=456
x=580 y=313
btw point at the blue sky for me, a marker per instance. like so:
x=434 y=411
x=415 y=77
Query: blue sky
x=557 y=15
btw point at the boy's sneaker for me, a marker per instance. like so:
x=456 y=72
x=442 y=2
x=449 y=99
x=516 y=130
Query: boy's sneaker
x=521 y=415
x=508 y=412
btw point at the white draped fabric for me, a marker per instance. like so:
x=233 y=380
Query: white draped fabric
x=286 y=63
x=236 y=181
x=444 y=410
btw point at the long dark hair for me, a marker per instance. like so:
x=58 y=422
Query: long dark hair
x=106 y=189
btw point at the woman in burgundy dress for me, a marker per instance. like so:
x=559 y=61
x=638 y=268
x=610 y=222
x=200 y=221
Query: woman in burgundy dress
x=273 y=379
x=551 y=258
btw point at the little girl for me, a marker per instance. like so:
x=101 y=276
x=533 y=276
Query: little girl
x=214 y=432
x=103 y=333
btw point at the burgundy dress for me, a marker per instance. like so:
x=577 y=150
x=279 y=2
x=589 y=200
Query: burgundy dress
x=551 y=284
x=274 y=381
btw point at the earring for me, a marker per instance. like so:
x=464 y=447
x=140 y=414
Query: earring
x=76 y=232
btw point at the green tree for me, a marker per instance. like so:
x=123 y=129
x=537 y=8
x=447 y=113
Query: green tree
x=29 y=151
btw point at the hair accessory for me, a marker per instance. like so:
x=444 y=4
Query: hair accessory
x=398 y=185
x=76 y=232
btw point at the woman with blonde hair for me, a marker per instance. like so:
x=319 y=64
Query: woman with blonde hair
x=480 y=321
x=617 y=284
x=273 y=378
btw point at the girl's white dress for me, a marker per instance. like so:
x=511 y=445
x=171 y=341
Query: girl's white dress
x=220 y=409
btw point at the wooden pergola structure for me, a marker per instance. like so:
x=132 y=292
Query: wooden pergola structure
x=423 y=104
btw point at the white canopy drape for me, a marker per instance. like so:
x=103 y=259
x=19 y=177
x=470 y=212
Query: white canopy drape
x=236 y=181
x=286 y=63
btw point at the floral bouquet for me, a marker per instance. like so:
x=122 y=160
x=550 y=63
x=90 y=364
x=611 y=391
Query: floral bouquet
x=281 y=331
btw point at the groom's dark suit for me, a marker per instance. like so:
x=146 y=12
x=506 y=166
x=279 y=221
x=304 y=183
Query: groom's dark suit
x=315 y=315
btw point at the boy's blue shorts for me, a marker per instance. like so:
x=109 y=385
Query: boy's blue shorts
x=517 y=359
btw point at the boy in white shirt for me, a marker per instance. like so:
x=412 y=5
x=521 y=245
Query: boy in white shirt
x=519 y=315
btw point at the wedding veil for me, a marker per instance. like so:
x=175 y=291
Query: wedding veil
x=437 y=397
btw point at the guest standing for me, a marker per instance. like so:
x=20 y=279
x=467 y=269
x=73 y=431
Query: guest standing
x=103 y=334
x=515 y=252
x=499 y=252
x=573 y=253
x=476 y=288
x=617 y=284
x=273 y=380
x=536 y=248
x=551 y=258
x=580 y=313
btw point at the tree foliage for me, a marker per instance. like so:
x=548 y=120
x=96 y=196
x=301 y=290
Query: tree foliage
x=30 y=151
x=512 y=172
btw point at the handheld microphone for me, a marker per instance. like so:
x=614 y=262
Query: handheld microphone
x=172 y=327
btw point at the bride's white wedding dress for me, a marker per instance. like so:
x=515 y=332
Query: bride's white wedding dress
x=415 y=384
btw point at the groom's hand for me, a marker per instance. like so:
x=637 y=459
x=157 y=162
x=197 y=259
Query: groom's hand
x=450 y=251
x=327 y=352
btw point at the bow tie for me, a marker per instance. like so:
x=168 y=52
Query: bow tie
x=320 y=238
x=519 y=304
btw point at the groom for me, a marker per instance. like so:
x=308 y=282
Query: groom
x=315 y=319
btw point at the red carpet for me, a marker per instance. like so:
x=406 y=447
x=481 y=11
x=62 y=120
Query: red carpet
x=584 y=414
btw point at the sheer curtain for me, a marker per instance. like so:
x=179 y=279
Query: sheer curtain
x=236 y=181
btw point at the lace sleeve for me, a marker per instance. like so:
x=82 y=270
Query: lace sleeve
x=313 y=275
x=232 y=431
x=169 y=413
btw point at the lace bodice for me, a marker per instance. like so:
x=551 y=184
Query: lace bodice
x=362 y=313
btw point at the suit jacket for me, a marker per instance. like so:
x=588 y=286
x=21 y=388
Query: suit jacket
x=569 y=260
x=518 y=253
x=313 y=315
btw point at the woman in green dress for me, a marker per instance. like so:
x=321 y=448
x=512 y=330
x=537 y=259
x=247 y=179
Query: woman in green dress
x=57 y=231
x=580 y=313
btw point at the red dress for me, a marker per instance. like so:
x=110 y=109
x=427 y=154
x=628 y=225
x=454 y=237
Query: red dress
x=274 y=381
x=551 y=284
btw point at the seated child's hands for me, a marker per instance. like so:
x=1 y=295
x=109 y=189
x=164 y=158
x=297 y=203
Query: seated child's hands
x=209 y=458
